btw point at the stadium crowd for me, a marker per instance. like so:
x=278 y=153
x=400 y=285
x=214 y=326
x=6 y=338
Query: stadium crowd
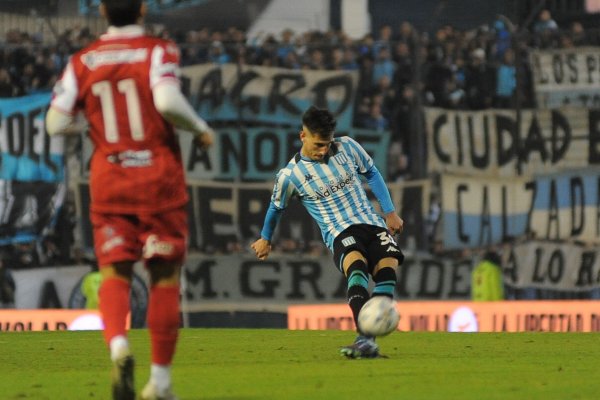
x=400 y=70
x=399 y=67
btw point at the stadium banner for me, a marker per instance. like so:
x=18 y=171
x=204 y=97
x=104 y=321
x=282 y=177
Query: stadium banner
x=457 y=316
x=241 y=282
x=550 y=265
x=223 y=215
x=46 y=287
x=494 y=143
x=270 y=95
x=90 y=7
x=32 y=172
x=50 y=320
x=255 y=154
x=480 y=212
x=566 y=77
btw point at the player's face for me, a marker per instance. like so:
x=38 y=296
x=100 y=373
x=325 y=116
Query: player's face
x=314 y=146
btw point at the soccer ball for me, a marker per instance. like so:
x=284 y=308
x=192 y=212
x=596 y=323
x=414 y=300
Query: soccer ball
x=378 y=317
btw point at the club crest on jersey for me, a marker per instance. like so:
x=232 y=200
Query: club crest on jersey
x=341 y=158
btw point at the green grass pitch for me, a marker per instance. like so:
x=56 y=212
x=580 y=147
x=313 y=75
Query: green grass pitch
x=244 y=364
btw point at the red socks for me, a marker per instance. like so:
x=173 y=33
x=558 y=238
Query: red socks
x=114 y=307
x=163 y=322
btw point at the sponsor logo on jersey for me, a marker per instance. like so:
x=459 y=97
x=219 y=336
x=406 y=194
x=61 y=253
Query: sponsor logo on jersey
x=132 y=158
x=348 y=241
x=112 y=243
x=154 y=247
x=333 y=187
x=98 y=58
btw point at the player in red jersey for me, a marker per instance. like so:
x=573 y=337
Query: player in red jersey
x=126 y=84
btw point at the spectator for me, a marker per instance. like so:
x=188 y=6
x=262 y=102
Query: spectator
x=217 y=54
x=7 y=89
x=578 y=35
x=545 y=23
x=502 y=39
x=506 y=81
x=546 y=31
x=404 y=74
x=7 y=284
x=480 y=81
x=376 y=120
x=384 y=65
x=486 y=280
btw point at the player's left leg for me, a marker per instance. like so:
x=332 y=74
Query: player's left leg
x=384 y=276
x=357 y=276
x=163 y=323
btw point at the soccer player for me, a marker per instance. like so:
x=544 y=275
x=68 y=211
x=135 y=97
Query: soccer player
x=126 y=83
x=324 y=176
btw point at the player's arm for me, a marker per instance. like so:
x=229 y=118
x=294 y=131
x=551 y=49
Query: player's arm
x=174 y=107
x=262 y=247
x=381 y=192
x=60 y=122
x=367 y=168
x=282 y=192
x=60 y=117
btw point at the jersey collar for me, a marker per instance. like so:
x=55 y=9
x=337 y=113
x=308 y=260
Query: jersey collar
x=333 y=150
x=127 y=31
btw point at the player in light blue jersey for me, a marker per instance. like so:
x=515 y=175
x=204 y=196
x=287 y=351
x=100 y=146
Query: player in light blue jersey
x=324 y=176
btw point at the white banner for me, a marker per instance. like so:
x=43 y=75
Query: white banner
x=567 y=77
x=494 y=143
x=556 y=266
x=36 y=286
x=245 y=283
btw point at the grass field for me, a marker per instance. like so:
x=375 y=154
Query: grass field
x=228 y=364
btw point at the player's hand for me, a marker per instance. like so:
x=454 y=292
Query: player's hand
x=394 y=223
x=205 y=139
x=262 y=248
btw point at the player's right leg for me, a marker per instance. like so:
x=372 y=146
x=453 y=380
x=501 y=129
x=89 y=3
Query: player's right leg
x=356 y=270
x=114 y=308
x=363 y=347
x=163 y=324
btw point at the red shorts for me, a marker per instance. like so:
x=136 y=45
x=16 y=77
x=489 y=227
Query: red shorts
x=133 y=237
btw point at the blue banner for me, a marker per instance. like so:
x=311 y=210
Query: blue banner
x=479 y=212
x=268 y=95
x=32 y=170
x=91 y=6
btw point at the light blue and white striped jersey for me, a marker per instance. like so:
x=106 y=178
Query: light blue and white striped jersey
x=331 y=191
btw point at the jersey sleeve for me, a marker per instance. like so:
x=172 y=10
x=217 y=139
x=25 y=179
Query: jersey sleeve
x=66 y=90
x=164 y=64
x=283 y=190
x=363 y=160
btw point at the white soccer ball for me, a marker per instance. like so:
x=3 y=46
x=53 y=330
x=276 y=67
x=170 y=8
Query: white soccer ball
x=378 y=317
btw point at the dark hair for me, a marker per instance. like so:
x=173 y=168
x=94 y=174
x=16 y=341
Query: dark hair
x=319 y=120
x=493 y=256
x=122 y=12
